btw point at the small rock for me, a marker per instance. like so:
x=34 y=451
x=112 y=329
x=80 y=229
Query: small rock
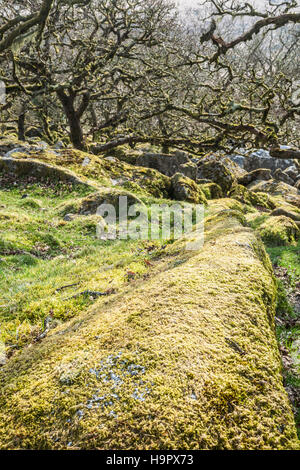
x=59 y=145
x=69 y=217
x=13 y=151
x=86 y=161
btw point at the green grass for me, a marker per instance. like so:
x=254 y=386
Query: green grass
x=40 y=253
x=287 y=257
x=289 y=336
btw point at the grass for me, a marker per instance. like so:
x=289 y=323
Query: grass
x=160 y=363
x=40 y=253
x=288 y=336
x=287 y=257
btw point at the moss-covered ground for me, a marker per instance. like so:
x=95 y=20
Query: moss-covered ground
x=180 y=353
x=41 y=253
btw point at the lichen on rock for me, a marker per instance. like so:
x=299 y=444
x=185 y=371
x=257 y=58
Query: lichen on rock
x=185 y=189
x=247 y=196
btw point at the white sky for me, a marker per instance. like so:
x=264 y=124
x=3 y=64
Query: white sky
x=194 y=3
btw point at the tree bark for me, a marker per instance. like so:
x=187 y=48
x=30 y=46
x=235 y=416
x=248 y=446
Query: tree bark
x=21 y=124
x=76 y=134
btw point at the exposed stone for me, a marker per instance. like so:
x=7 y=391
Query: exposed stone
x=164 y=163
x=59 y=145
x=239 y=160
x=233 y=167
x=11 y=153
x=260 y=159
x=258 y=174
x=189 y=169
x=279 y=175
x=69 y=217
x=214 y=169
x=280 y=211
x=86 y=161
x=41 y=145
x=292 y=172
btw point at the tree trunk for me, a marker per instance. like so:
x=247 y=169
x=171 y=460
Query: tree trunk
x=76 y=134
x=21 y=124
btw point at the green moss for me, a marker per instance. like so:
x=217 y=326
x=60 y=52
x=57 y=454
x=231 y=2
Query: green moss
x=203 y=352
x=110 y=170
x=30 y=204
x=279 y=231
x=246 y=196
x=185 y=189
x=211 y=190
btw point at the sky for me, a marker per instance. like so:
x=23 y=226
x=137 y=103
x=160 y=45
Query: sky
x=194 y=3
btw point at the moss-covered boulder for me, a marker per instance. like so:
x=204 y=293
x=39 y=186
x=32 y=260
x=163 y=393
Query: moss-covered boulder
x=189 y=169
x=185 y=189
x=280 y=190
x=211 y=190
x=273 y=187
x=290 y=214
x=39 y=171
x=280 y=175
x=215 y=170
x=104 y=170
x=89 y=204
x=246 y=196
x=167 y=164
x=190 y=349
x=255 y=175
x=279 y=230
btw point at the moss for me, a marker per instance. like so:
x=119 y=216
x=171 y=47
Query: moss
x=272 y=187
x=125 y=154
x=90 y=203
x=211 y=190
x=40 y=172
x=108 y=170
x=185 y=189
x=165 y=364
x=279 y=191
x=257 y=199
x=216 y=170
x=279 y=231
x=31 y=204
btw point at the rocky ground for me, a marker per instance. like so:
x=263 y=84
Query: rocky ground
x=107 y=341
